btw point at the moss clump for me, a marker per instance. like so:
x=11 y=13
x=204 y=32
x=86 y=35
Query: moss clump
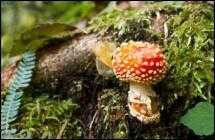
x=165 y=6
x=124 y=25
x=131 y=24
x=190 y=52
x=44 y=118
x=111 y=120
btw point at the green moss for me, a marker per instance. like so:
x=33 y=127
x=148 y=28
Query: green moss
x=124 y=25
x=131 y=24
x=190 y=52
x=165 y=6
x=44 y=117
x=111 y=122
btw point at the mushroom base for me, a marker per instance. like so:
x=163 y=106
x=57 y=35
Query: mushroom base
x=141 y=114
x=144 y=107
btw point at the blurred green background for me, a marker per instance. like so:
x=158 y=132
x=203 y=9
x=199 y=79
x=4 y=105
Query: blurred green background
x=17 y=17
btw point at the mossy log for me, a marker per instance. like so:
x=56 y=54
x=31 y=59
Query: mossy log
x=61 y=61
x=65 y=61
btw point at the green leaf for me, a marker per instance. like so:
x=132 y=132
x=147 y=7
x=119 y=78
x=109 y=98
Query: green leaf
x=35 y=38
x=200 y=119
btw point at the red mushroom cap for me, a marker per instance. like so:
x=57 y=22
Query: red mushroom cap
x=141 y=62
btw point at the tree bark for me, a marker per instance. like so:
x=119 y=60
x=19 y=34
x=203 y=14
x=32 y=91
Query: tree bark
x=59 y=62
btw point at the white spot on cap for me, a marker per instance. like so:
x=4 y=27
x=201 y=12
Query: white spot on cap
x=125 y=61
x=132 y=69
x=161 y=55
x=120 y=73
x=151 y=63
x=157 y=64
x=122 y=65
x=164 y=71
x=128 y=72
x=136 y=66
x=157 y=50
x=118 y=69
x=120 y=54
x=137 y=72
x=119 y=61
x=129 y=57
x=150 y=71
x=161 y=63
x=134 y=57
x=145 y=63
x=155 y=72
x=143 y=75
x=142 y=69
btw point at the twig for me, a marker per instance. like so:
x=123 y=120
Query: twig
x=165 y=32
x=209 y=94
x=91 y=123
x=59 y=135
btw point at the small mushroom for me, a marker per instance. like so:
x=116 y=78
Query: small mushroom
x=103 y=51
x=141 y=64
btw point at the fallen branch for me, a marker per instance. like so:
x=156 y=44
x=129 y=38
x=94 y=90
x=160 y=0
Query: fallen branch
x=60 y=62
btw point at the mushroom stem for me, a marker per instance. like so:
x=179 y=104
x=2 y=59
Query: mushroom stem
x=141 y=89
x=143 y=103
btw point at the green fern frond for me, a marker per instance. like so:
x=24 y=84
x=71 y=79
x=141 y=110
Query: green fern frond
x=12 y=102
